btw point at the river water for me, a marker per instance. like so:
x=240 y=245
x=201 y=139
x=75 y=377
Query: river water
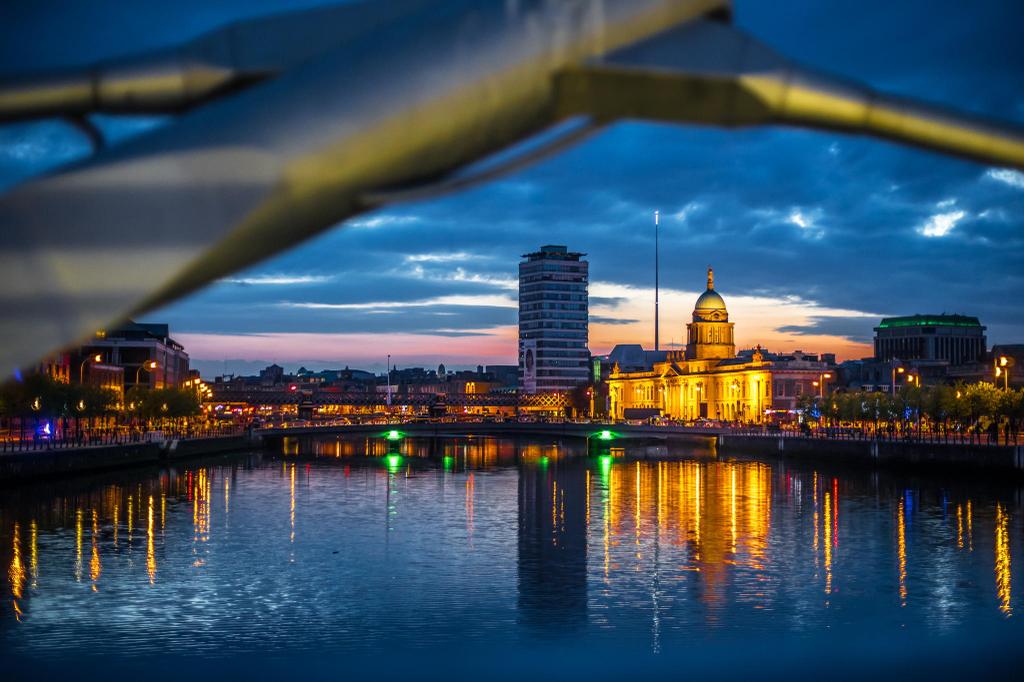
x=336 y=547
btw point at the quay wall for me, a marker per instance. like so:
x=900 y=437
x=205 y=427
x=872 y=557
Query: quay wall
x=68 y=462
x=901 y=453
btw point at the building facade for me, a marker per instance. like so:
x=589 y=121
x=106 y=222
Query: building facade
x=133 y=346
x=953 y=339
x=708 y=380
x=553 y=321
x=922 y=349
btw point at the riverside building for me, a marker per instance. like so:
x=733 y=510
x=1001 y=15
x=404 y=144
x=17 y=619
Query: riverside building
x=950 y=339
x=553 y=320
x=709 y=380
x=133 y=346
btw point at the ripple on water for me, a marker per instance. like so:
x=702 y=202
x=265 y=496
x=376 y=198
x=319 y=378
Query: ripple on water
x=493 y=541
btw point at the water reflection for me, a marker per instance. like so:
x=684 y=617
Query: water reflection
x=1003 y=560
x=95 y=566
x=16 y=573
x=497 y=538
x=552 y=544
x=150 y=545
x=901 y=548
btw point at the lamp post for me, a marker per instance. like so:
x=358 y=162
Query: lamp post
x=81 y=368
x=895 y=369
x=820 y=383
x=1003 y=365
x=915 y=380
x=149 y=366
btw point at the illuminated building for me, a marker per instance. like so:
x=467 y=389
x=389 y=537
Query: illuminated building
x=56 y=366
x=133 y=345
x=934 y=349
x=708 y=380
x=553 y=355
x=953 y=339
x=105 y=376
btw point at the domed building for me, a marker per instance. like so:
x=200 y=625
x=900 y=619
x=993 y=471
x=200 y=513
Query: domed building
x=709 y=336
x=708 y=380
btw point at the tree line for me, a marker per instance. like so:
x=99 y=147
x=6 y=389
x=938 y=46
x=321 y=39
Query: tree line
x=40 y=397
x=945 y=412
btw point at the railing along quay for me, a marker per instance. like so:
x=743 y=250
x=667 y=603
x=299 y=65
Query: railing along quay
x=107 y=439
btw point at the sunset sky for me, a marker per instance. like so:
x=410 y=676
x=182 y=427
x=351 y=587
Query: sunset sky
x=813 y=236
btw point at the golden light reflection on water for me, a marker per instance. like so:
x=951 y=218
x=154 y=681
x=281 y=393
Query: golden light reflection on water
x=150 y=545
x=16 y=571
x=78 y=545
x=34 y=555
x=470 y=485
x=1002 y=539
x=814 y=498
x=959 y=526
x=291 y=492
x=717 y=514
x=606 y=474
x=95 y=567
x=970 y=526
x=828 y=544
x=901 y=550
x=695 y=511
x=712 y=519
x=588 y=501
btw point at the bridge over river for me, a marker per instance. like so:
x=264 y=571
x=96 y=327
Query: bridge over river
x=608 y=432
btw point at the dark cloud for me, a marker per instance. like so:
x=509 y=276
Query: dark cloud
x=853 y=328
x=600 y=319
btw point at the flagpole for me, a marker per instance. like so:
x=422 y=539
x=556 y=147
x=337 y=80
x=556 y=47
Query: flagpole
x=656 y=278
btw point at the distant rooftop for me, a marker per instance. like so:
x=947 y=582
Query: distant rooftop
x=929 y=321
x=633 y=357
x=139 y=330
x=554 y=251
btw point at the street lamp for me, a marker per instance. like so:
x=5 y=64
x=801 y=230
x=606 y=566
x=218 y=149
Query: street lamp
x=149 y=366
x=820 y=383
x=895 y=369
x=1003 y=364
x=81 y=368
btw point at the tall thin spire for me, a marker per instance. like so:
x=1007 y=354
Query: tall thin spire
x=711 y=278
x=656 y=277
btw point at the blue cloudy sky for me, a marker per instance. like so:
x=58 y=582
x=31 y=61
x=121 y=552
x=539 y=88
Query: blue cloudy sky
x=812 y=236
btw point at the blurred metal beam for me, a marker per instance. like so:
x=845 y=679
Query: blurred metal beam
x=707 y=72
x=211 y=65
x=297 y=122
x=395 y=103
